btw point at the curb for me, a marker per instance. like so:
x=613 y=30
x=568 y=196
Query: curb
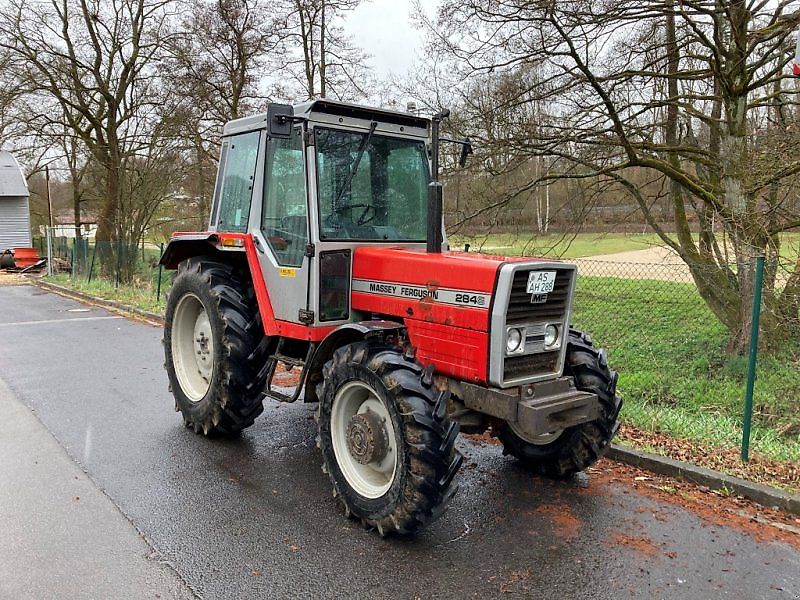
x=762 y=494
x=117 y=306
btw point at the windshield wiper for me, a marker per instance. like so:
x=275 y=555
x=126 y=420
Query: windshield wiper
x=361 y=149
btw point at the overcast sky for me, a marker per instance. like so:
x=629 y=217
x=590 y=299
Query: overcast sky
x=383 y=29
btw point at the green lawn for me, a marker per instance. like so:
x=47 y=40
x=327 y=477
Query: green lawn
x=675 y=377
x=790 y=246
x=140 y=294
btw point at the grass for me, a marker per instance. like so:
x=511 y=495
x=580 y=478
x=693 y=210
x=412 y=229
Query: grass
x=140 y=294
x=675 y=377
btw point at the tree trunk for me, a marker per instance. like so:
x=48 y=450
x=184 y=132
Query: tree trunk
x=106 y=227
x=76 y=208
x=307 y=37
x=546 y=206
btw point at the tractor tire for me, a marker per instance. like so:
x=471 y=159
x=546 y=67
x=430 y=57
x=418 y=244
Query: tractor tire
x=215 y=347
x=387 y=443
x=562 y=453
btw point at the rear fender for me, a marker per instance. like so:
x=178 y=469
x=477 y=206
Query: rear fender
x=341 y=336
x=227 y=247
x=207 y=243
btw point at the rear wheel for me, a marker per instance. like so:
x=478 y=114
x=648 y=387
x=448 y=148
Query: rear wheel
x=386 y=441
x=563 y=452
x=215 y=347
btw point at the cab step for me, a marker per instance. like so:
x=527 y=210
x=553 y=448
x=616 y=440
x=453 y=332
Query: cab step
x=291 y=362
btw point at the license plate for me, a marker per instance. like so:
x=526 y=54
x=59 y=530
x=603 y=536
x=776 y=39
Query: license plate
x=541 y=282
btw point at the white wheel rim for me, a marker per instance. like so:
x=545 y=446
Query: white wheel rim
x=192 y=347
x=371 y=480
x=537 y=440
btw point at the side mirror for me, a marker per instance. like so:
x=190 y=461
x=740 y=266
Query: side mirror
x=466 y=150
x=279 y=117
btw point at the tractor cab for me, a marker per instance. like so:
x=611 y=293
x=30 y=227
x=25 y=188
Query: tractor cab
x=326 y=253
x=311 y=184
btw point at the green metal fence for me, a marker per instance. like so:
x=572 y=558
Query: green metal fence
x=677 y=360
x=117 y=262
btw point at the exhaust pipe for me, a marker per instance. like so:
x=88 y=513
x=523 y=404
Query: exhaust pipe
x=434 y=240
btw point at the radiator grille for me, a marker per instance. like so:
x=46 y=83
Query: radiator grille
x=518 y=367
x=520 y=308
x=521 y=311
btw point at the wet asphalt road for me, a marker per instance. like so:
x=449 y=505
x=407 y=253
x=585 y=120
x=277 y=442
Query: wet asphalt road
x=254 y=517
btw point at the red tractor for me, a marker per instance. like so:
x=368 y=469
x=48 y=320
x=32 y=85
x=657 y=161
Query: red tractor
x=324 y=253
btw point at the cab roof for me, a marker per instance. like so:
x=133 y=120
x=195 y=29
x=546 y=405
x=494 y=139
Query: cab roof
x=335 y=108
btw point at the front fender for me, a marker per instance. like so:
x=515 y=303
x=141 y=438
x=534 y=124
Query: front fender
x=341 y=336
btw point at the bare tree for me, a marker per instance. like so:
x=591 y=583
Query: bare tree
x=684 y=90
x=218 y=60
x=95 y=59
x=328 y=63
x=9 y=93
x=219 y=56
x=77 y=165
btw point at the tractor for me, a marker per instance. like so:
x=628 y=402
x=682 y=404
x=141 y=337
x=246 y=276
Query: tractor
x=326 y=254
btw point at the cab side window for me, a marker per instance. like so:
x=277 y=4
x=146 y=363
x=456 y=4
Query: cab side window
x=237 y=182
x=284 y=221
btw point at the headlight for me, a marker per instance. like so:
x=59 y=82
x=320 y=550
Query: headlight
x=550 y=335
x=514 y=340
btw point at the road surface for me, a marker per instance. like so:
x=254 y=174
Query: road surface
x=254 y=517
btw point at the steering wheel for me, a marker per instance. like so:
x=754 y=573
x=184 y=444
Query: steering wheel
x=362 y=218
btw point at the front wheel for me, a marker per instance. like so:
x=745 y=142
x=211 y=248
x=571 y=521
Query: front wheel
x=386 y=441
x=564 y=452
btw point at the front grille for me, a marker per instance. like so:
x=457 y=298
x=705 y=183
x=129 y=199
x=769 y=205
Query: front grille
x=536 y=363
x=518 y=367
x=522 y=311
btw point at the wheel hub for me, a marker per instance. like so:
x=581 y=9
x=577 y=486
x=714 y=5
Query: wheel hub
x=203 y=346
x=364 y=439
x=367 y=440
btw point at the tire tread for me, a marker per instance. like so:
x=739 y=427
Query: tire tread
x=429 y=436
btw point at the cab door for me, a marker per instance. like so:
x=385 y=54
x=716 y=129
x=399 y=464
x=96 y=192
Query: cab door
x=282 y=235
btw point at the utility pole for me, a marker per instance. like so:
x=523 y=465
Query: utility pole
x=49 y=200
x=50 y=222
x=322 y=59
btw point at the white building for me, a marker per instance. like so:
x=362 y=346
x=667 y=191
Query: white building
x=67 y=230
x=15 y=215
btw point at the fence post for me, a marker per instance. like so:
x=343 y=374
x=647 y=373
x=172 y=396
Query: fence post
x=160 y=268
x=751 y=362
x=91 y=267
x=119 y=263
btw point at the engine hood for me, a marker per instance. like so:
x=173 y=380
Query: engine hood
x=447 y=301
x=451 y=288
x=463 y=271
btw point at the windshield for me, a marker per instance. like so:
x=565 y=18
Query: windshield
x=381 y=197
